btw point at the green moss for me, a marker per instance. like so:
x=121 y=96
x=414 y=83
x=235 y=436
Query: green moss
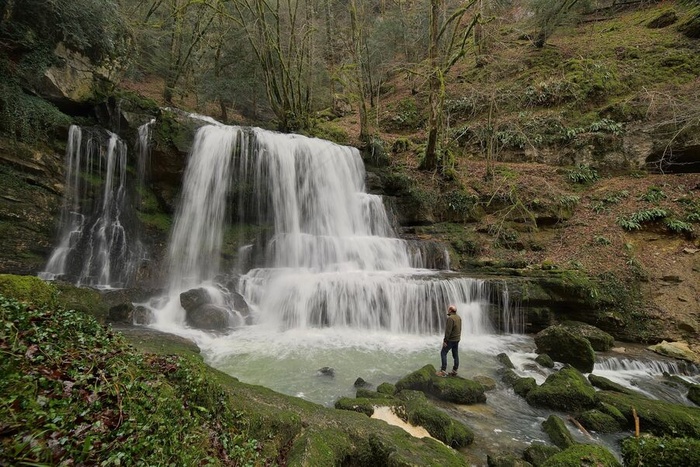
x=694 y=394
x=600 y=340
x=365 y=406
x=419 y=380
x=27 y=289
x=597 y=421
x=320 y=447
x=661 y=452
x=367 y=394
x=506 y=461
x=386 y=388
x=581 y=455
x=557 y=432
x=565 y=390
x=523 y=386
x=536 y=454
x=566 y=346
x=457 y=390
x=82 y=299
x=545 y=360
x=656 y=417
x=159 y=221
x=437 y=423
x=607 y=385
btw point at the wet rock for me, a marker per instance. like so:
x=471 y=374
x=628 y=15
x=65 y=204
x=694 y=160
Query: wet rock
x=194 y=298
x=419 y=380
x=239 y=304
x=545 y=360
x=360 y=383
x=595 y=420
x=209 y=318
x=574 y=457
x=143 y=315
x=536 y=454
x=326 y=371
x=365 y=406
x=566 y=390
x=607 y=385
x=558 y=432
x=504 y=359
x=123 y=314
x=563 y=345
x=523 y=386
x=368 y=394
x=510 y=377
x=673 y=451
x=386 y=388
x=679 y=350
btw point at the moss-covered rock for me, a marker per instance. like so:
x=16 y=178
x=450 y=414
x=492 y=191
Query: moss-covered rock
x=661 y=452
x=581 y=455
x=612 y=411
x=505 y=360
x=595 y=420
x=369 y=394
x=536 y=454
x=487 y=382
x=600 y=340
x=656 y=417
x=566 y=390
x=457 y=390
x=386 y=388
x=419 y=380
x=506 y=461
x=563 y=345
x=557 y=431
x=440 y=426
x=365 y=406
x=27 y=289
x=545 y=360
x=694 y=394
x=605 y=384
x=523 y=386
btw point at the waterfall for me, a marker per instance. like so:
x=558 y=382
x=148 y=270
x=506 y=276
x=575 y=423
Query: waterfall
x=95 y=246
x=329 y=256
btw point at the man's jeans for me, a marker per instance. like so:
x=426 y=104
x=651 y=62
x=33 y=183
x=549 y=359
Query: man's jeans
x=451 y=345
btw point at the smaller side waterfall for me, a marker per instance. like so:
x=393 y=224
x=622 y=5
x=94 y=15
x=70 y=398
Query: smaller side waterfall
x=96 y=243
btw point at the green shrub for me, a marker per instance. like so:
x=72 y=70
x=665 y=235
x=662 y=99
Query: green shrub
x=635 y=221
x=28 y=118
x=583 y=174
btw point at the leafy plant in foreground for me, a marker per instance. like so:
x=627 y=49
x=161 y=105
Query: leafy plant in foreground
x=635 y=221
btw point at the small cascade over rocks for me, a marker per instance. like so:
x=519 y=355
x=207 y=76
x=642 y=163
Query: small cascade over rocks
x=98 y=244
x=328 y=255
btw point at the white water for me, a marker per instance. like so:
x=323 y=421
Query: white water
x=94 y=247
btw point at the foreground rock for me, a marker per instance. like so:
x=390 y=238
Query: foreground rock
x=582 y=454
x=564 y=345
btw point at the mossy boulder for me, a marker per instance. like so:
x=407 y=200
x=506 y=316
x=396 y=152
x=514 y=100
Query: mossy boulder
x=368 y=394
x=580 y=455
x=523 y=386
x=600 y=340
x=506 y=461
x=661 y=452
x=418 y=411
x=27 y=289
x=657 y=417
x=457 y=390
x=536 y=454
x=545 y=360
x=505 y=360
x=606 y=385
x=419 y=380
x=566 y=390
x=565 y=346
x=595 y=420
x=386 y=388
x=694 y=394
x=557 y=431
x=361 y=405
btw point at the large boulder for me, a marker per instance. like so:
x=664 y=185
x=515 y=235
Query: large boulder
x=600 y=340
x=418 y=411
x=536 y=454
x=679 y=350
x=566 y=390
x=419 y=380
x=599 y=422
x=564 y=345
x=665 y=451
x=195 y=298
x=458 y=390
x=209 y=318
x=606 y=385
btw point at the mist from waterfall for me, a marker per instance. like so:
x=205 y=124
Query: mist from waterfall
x=97 y=245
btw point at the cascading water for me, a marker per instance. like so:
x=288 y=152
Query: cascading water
x=96 y=246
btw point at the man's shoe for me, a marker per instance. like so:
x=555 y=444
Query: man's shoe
x=453 y=373
x=441 y=373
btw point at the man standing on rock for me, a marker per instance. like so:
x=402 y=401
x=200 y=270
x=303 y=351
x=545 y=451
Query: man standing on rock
x=453 y=333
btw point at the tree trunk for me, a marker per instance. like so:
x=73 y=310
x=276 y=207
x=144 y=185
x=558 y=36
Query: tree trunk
x=430 y=159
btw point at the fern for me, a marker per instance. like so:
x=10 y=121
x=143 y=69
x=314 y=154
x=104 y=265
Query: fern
x=583 y=173
x=654 y=194
x=678 y=226
x=635 y=221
